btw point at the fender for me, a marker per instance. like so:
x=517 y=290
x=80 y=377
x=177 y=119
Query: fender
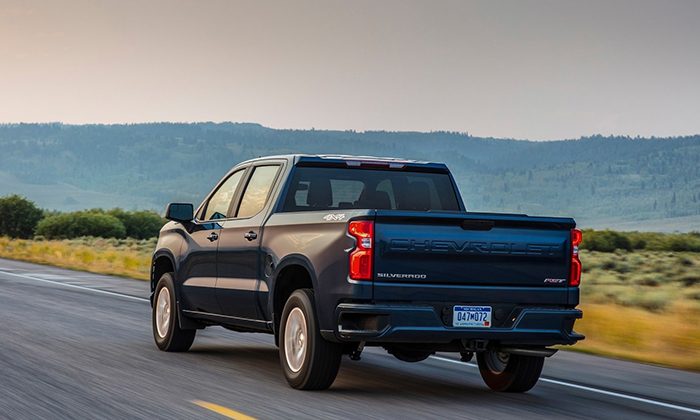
x=160 y=253
x=166 y=252
x=291 y=259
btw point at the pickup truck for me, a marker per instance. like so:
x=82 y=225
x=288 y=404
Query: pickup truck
x=335 y=253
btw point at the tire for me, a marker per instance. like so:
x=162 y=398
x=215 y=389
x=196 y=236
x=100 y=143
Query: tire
x=509 y=372
x=309 y=362
x=165 y=319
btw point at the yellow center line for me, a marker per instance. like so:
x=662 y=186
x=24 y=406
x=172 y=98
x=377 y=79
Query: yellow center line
x=224 y=411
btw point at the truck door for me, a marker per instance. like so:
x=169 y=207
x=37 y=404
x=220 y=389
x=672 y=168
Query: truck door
x=238 y=259
x=199 y=271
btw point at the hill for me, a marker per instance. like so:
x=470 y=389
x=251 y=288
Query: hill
x=634 y=183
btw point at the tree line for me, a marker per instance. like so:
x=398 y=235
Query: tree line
x=610 y=241
x=21 y=218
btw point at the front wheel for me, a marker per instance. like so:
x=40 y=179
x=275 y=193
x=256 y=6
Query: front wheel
x=309 y=362
x=166 y=327
x=509 y=372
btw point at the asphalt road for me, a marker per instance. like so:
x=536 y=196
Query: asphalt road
x=79 y=345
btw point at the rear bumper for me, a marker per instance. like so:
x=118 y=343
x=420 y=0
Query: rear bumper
x=375 y=323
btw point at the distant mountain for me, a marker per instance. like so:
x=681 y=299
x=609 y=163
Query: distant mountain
x=618 y=182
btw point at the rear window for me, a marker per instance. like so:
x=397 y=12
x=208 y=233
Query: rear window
x=319 y=188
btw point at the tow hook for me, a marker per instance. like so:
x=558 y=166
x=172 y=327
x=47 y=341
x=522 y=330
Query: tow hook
x=474 y=345
x=357 y=352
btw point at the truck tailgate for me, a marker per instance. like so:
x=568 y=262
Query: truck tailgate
x=470 y=249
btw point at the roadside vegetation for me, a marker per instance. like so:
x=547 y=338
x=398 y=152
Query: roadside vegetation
x=21 y=218
x=120 y=257
x=642 y=305
x=610 y=240
x=640 y=291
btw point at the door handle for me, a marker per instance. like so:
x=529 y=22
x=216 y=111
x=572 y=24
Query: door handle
x=213 y=236
x=250 y=235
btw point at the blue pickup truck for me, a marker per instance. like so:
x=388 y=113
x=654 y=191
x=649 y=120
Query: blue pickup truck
x=335 y=253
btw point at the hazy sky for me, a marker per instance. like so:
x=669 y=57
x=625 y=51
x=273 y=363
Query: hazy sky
x=524 y=69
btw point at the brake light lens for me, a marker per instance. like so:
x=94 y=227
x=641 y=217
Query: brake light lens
x=361 y=256
x=575 y=274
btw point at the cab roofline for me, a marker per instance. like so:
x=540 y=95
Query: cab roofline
x=367 y=162
x=354 y=161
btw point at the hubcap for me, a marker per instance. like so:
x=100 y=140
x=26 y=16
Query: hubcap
x=295 y=339
x=163 y=312
x=497 y=361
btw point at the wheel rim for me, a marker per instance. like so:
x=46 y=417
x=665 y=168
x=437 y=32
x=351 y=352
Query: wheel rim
x=295 y=339
x=163 y=312
x=496 y=361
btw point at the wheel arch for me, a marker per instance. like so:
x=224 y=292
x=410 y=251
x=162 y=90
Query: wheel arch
x=292 y=273
x=163 y=262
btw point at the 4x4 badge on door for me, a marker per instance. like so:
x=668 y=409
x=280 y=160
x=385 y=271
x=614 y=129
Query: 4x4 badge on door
x=331 y=217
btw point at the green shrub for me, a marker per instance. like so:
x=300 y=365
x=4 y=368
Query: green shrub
x=18 y=216
x=609 y=265
x=77 y=224
x=690 y=279
x=609 y=241
x=678 y=243
x=139 y=224
x=653 y=301
x=648 y=280
x=685 y=261
x=605 y=241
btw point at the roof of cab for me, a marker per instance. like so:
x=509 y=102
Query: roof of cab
x=352 y=161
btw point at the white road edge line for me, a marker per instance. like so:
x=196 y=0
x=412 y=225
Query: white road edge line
x=444 y=359
x=591 y=389
x=75 y=286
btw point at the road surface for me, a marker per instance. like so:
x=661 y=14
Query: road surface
x=79 y=345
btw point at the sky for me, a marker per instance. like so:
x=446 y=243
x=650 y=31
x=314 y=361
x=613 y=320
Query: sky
x=537 y=70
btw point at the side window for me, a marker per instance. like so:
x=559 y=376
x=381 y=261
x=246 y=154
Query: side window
x=217 y=207
x=258 y=189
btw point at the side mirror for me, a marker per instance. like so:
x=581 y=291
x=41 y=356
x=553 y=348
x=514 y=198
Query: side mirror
x=179 y=212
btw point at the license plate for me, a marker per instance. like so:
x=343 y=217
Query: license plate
x=471 y=316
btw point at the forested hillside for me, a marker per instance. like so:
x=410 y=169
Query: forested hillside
x=648 y=184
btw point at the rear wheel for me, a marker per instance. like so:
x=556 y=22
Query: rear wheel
x=308 y=361
x=166 y=326
x=509 y=372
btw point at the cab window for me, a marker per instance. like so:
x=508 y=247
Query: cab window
x=257 y=190
x=331 y=188
x=220 y=201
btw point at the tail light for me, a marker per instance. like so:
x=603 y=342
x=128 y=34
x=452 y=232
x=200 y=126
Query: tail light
x=361 y=256
x=575 y=274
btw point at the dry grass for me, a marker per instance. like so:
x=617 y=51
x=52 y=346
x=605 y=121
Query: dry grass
x=641 y=305
x=670 y=338
x=120 y=257
x=651 y=280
